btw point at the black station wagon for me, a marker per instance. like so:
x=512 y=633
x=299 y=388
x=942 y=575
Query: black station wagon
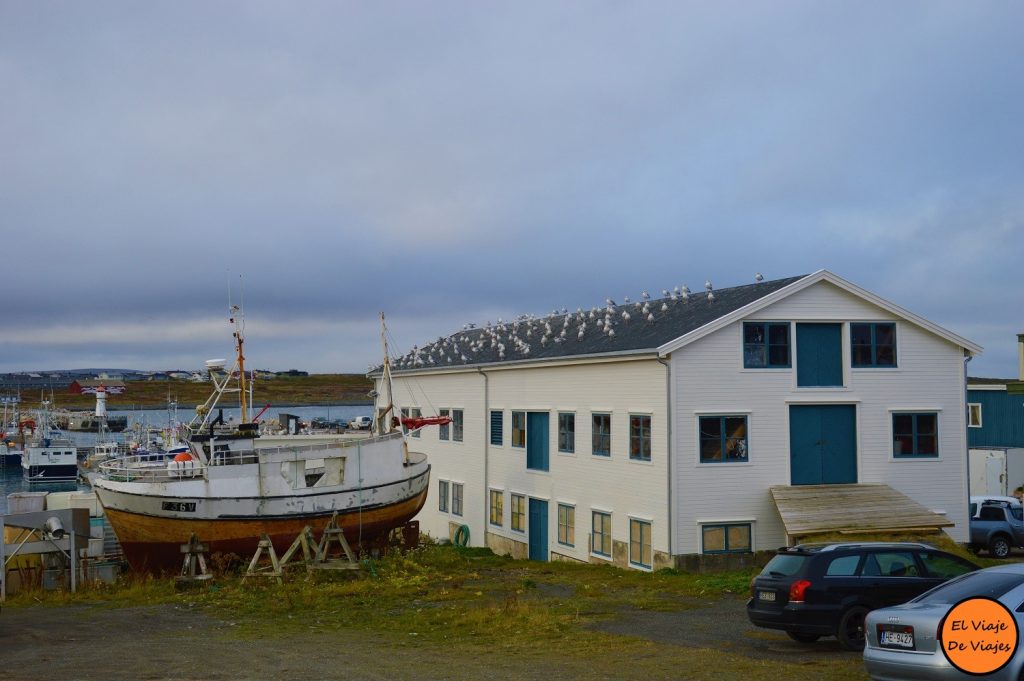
x=815 y=590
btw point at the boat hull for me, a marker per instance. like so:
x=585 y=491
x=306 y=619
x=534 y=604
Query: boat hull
x=50 y=473
x=152 y=543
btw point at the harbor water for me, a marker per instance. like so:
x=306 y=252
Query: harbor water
x=11 y=476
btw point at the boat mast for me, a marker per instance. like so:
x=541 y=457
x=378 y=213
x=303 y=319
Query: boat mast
x=382 y=425
x=239 y=333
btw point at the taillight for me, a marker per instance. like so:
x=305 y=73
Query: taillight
x=796 y=591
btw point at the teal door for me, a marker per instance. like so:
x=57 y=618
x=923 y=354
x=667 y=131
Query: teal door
x=537 y=440
x=819 y=355
x=538 y=529
x=822 y=444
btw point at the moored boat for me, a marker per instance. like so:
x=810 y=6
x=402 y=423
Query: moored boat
x=48 y=455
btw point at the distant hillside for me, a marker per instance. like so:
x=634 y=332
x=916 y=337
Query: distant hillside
x=279 y=391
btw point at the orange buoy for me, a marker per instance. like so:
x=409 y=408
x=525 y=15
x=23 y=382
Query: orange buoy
x=184 y=456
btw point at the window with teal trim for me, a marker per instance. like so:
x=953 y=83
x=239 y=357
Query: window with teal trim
x=915 y=435
x=723 y=439
x=519 y=429
x=497 y=427
x=444 y=430
x=457 y=425
x=726 y=538
x=766 y=345
x=601 y=432
x=639 y=543
x=601 y=534
x=873 y=345
x=566 y=525
x=566 y=432
x=639 y=437
x=457 y=489
x=442 y=496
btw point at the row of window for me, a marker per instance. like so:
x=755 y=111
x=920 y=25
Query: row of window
x=600 y=438
x=766 y=345
x=601 y=528
x=715 y=538
x=724 y=438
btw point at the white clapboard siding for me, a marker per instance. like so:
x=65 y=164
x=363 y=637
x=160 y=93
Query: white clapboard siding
x=709 y=377
x=614 y=484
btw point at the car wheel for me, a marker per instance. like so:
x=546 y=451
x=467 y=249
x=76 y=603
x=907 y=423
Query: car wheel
x=803 y=638
x=851 y=628
x=999 y=547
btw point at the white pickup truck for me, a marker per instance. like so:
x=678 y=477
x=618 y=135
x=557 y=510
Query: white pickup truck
x=360 y=423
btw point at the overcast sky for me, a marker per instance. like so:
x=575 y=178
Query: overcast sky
x=449 y=162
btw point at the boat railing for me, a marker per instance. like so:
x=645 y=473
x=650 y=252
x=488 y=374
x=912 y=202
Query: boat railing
x=144 y=468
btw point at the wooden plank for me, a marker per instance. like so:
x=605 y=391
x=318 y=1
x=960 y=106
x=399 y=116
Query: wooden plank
x=814 y=509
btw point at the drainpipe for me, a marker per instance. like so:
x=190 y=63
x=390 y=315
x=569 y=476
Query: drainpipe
x=668 y=452
x=487 y=452
x=967 y=448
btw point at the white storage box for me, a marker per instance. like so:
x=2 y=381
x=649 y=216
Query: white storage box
x=86 y=500
x=26 y=502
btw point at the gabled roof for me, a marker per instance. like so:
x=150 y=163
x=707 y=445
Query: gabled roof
x=527 y=339
x=802 y=283
x=677 y=321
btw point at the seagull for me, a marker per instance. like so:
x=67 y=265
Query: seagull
x=711 y=296
x=650 y=318
x=645 y=295
x=707 y=285
x=758 y=277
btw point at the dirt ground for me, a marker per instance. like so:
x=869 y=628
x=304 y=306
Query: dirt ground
x=175 y=642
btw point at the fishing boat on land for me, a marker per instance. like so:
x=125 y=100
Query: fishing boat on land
x=233 y=485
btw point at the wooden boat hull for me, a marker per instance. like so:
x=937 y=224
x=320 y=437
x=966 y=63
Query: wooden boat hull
x=153 y=543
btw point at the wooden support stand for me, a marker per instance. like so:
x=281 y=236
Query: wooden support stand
x=307 y=543
x=272 y=570
x=324 y=560
x=195 y=556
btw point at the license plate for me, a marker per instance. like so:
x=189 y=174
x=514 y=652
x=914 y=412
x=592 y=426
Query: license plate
x=897 y=639
x=766 y=595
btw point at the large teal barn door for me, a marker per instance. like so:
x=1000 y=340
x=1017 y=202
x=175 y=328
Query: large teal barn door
x=822 y=444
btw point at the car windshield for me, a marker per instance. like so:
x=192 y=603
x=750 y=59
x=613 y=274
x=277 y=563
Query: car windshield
x=972 y=585
x=784 y=565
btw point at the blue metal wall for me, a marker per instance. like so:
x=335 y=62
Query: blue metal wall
x=1002 y=419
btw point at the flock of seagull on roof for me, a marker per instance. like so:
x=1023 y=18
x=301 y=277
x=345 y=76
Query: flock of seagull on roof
x=517 y=335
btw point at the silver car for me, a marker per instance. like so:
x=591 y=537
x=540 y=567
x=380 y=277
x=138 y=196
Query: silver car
x=909 y=651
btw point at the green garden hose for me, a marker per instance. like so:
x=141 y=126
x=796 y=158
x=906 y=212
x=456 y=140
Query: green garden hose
x=461 y=536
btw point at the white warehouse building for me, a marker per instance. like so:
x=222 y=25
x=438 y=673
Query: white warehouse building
x=651 y=433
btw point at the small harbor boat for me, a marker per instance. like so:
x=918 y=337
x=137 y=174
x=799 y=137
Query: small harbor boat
x=232 y=485
x=48 y=455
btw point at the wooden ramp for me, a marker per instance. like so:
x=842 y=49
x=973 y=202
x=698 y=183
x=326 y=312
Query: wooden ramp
x=851 y=509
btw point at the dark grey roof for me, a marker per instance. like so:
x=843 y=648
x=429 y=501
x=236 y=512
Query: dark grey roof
x=527 y=338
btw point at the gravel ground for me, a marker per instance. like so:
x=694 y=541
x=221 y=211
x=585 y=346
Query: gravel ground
x=721 y=624
x=173 y=642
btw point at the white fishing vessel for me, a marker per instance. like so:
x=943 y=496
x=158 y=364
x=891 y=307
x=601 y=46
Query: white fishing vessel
x=232 y=485
x=48 y=455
